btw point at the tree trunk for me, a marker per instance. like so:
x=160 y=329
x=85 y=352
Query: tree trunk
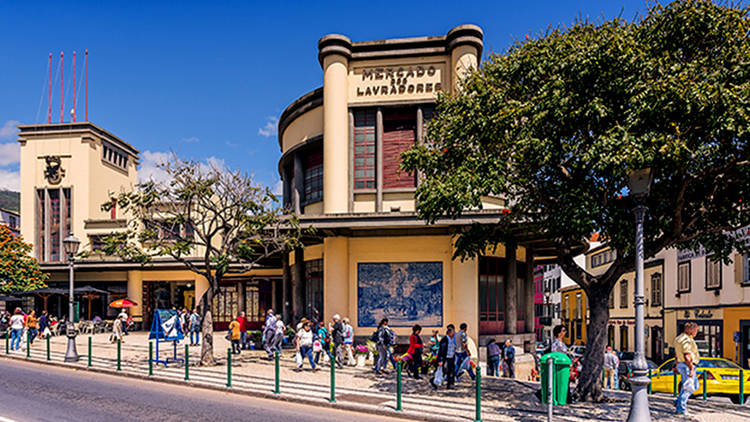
x=207 y=328
x=590 y=381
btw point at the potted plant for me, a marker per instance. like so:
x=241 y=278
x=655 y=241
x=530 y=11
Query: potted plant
x=362 y=351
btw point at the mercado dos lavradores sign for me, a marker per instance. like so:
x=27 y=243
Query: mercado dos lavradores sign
x=404 y=81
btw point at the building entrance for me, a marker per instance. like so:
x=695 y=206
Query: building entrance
x=166 y=295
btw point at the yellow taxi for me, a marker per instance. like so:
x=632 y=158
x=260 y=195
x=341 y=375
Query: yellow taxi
x=722 y=378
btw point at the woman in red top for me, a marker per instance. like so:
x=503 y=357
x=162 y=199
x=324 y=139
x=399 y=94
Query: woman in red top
x=415 y=351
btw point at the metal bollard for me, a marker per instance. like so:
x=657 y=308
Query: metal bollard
x=7 y=341
x=550 y=388
x=187 y=364
x=276 y=373
x=28 y=344
x=478 y=403
x=742 y=387
x=333 y=381
x=48 y=356
x=150 y=358
x=398 y=386
x=229 y=368
x=674 y=382
x=650 y=384
x=89 y=355
x=705 y=396
x=119 y=355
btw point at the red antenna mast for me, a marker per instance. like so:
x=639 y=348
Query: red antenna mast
x=86 y=67
x=73 y=114
x=49 y=92
x=62 y=93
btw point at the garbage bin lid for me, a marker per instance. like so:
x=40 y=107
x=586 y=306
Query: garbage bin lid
x=557 y=358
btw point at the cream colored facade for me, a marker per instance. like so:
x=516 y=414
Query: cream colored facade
x=337 y=166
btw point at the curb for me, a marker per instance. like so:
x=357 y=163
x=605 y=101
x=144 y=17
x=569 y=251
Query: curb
x=406 y=415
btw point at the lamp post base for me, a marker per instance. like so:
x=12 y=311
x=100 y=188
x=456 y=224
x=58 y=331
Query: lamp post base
x=71 y=355
x=639 y=410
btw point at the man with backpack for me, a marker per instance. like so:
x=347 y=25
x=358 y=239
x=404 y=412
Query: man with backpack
x=509 y=355
x=462 y=350
x=383 y=343
x=337 y=333
x=446 y=357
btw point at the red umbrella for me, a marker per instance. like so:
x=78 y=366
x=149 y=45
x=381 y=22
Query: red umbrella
x=122 y=303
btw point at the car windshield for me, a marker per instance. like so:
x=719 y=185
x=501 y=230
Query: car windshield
x=717 y=363
x=627 y=355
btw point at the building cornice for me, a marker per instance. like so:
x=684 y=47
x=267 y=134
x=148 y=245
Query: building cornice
x=27 y=131
x=300 y=106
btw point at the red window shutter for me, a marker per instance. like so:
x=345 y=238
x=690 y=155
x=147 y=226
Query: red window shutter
x=399 y=134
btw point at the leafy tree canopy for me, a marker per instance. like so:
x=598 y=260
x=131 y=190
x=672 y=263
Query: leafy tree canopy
x=18 y=270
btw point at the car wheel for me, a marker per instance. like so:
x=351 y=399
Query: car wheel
x=735 y=399
x=624 y=385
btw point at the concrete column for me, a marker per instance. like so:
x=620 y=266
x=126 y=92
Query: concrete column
x=379 y=160
x=465 y=45
x=335 y=276
x=135 y=293
x=287 y=184
x=298 y=179
x=350 y=179
x=286 y=287
x=334 y=53
x=511 y=289
x=299 y=302
x=529 y=290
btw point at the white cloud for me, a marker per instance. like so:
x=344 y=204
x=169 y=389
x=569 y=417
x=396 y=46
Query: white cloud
x=150 y=169
x=271 y=127
x=278 y=188
x=10 y=180
x=190 y=140
x=10 y=153
x=8 y=131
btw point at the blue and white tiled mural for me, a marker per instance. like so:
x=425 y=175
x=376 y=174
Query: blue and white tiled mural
x=406 y=293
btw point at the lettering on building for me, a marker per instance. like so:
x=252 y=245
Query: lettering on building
x=401 y=80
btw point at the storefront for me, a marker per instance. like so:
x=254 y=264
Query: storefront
x=710 y=337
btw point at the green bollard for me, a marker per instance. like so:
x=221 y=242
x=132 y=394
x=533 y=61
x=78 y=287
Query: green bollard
x=187 y=364
x=229 y=368
x=28 y=344
x=333 y=381
x=89 y=355
x=674 y=382
x=705 y=396
x=7 y=341
x=150 y=358
x=119 y=355
x=650 y=384
x=276 y=374
x=48 y=356
x=478 y=417
x=742 y=388
x=398 y=386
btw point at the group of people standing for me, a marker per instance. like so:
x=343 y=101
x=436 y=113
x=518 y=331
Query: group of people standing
x=335 y=339
x=497 y=355
x=190 y=322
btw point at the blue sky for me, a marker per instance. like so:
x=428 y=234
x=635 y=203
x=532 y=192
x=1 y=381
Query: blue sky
x=209 y=79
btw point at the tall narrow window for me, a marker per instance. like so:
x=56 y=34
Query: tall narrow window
x=491 y=294
x=624 y=338
x=68 y=215
x=314 y=276
x=364 y=149
x=399 y=134
x=54 y=225
x=713 y=274
x=41 y=213
x=313 y=165
x=656 y=289
x=683 y=277
x=623 y=293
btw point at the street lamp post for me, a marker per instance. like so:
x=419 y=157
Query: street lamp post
x=70 y=243
x=640 y=184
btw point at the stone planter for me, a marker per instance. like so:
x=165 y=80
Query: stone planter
x=361 y=360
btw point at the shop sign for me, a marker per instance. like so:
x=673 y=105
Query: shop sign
x=420 y=80
x=621 y=322
x=742 y=235
x=700 y=314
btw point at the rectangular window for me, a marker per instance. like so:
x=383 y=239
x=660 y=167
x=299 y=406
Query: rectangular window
x=713 y=274
x=114 y=156
x=68 y=210
x=313 y=172
x=314 y=276
x=364 y=149
x=399 y=134
x=603 y=258
x=746 y=269
x=579 y=306
x=579 y=329
x=491 y=290
x=683 y=277
x=97 y=242
x=623 y=338
x=41 y=215
x=656 y=289
x=623 y=293
x=611 y=301
x=54 y=225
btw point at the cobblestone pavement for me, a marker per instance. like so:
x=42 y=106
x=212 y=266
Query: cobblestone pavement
x=502 y=399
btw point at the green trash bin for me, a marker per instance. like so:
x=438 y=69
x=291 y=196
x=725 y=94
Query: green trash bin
x=561 y=377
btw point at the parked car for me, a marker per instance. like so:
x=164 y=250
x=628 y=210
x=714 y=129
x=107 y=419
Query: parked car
x=624 y=371
x=576 y=351
x=722 y=378
x=541 y=347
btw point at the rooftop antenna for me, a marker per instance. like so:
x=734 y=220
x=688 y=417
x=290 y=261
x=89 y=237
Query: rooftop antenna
x=73 y=110
x=49 y=92
x=86 y=67
x=62 y=86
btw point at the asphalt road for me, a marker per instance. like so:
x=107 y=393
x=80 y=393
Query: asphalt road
x=33 y=392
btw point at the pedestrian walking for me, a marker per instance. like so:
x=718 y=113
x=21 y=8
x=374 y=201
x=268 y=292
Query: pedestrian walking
x=687 y=357
x=415 y=351
x=269 y=331
x=447 y=357
x=434 y=343
x=337 y=336
x=184 y=321
x=195 y=328
x=16 y=329
x=32 y=326
x=611 y=363
x=124 y=317
x=234 y=335
x=117 y=330
x=558 y=345
x=493 y=358
x=278 y=335
x=323 y=341
x=383 y=343
x=304 y=342
x=462 y=351
x=43 y=324
x=243 y=330
x=509 y=356
x=349 y=342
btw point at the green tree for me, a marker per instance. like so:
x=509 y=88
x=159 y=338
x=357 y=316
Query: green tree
x=213 y=221
x=556 y=123
x=19 y=271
